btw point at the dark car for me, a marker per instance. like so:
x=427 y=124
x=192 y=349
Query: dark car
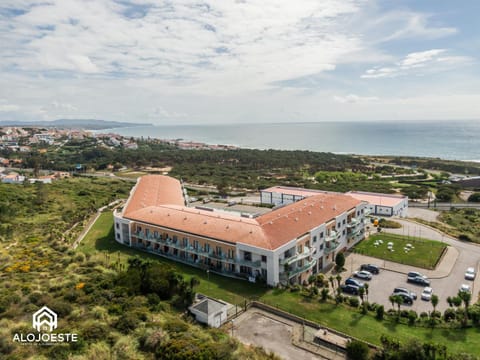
x=355 y=282
x=350 y=289
x=407 y=299
x=374 y=269
x=417 y=278
x=398 y=290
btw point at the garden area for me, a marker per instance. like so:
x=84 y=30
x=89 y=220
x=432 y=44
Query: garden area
x=407 y=250
x=315 y=302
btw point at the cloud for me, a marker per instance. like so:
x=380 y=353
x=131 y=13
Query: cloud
x=8 y=107
x=417 y=26
x=354 y=99
x=419 y=63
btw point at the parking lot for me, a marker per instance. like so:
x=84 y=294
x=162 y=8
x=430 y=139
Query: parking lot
x=445 y=280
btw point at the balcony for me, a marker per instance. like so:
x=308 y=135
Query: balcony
x=307 y=266
x=298 y=256
x=353 y=223
x=255 y=264
x=331 y=246
x=333 y=236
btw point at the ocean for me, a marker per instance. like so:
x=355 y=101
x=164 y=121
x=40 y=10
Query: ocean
x=453 y=140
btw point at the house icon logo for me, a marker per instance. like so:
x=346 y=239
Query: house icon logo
x=45 y=319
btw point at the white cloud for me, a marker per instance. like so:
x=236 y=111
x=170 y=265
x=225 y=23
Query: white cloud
x=354 y=99
x=8 y=107
x=419 y=63
x=417 y=26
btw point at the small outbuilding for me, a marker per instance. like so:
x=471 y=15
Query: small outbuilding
x=209 y=311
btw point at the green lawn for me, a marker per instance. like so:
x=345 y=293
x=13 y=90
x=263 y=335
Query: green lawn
x=366 y=327
x=425 y=253
x=100 y=239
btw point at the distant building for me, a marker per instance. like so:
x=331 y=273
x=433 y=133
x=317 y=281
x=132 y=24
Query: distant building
x=209 y=311
x=383 y=204
x=376 y=203
x=286 y=245
x=13 y=178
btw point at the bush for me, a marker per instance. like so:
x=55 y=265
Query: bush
x=412 y=317
x=295 y=288
x=436 y=314
x=423 y=315
x=357 y=350
x=127 y=323
x=449 y=315
x=475 y=197
x=380 y=312
x=353 y=302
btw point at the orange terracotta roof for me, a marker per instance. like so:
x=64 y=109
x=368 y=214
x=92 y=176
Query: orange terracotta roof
x=268 y=231
x=295 y=191
x=154 y=190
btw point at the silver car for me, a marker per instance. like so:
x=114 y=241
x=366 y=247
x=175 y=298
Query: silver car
x=470 y=274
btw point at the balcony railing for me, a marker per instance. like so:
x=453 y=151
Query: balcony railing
x=353 y=223
x=331 y=246
x=334 y=235
x=307 y=266
x=298 y=256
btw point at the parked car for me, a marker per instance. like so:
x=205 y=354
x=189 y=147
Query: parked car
x=407 y=299
x=352 y=281
x=374 y=269
x=465 y=288
x=427 y=293
x=350 y=289
x=363 y=274
x=417 y=278
x=403 y=290
x=470 y=274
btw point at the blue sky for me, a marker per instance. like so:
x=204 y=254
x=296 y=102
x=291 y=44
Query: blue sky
x=193 y=62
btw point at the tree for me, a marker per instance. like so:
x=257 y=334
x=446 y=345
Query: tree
x=475 y=197
x=357 y=350
x=339 y=279
x=465 y=296
x=434 y=301
x=392 y=300
x=339 y=261
x=399 y=301
x=361 y=293
x=332 y=281
x=366 y=290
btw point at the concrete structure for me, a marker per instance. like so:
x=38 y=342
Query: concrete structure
x=211 y=312
x=383 y=204
x=377 y=203
x=287 y=244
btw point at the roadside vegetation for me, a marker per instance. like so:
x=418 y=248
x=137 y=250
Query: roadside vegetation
x=422 y=253
x=121 y=307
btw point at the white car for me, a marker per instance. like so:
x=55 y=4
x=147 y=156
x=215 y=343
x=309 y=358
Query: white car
x=427 y=293
x=465 y=288
x=363 y=274
x=470 y=274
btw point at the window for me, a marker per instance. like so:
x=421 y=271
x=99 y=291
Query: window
x=321 y=235
x=195 y=244
x=344 y=221
x=343 y=232
x=117 y=225
x=315 y=239
x=118 y=236
x=207 y=247
x=338 y=225
x=247 y=256
x=139 y=228
x=175 y=238
x=264 y=258
x=230 y=253
x=321 y=246
x=218 y=250
x=155 y=233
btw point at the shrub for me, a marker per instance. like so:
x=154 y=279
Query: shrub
x=436 y=314
x=380 y=311
x=412 y=317
x=127 y=322
x=423 y=315
x=449 y=315
x=357 y=350
x=324 y=294
x=353 y=302
x=295 y=288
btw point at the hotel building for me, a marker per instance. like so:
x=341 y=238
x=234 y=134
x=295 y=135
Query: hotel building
x=285 y=245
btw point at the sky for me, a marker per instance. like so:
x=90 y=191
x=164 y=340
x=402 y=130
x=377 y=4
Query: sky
x=222 y=61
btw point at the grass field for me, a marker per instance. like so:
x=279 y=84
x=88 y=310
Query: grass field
x=100 y=239
x=425 y=253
